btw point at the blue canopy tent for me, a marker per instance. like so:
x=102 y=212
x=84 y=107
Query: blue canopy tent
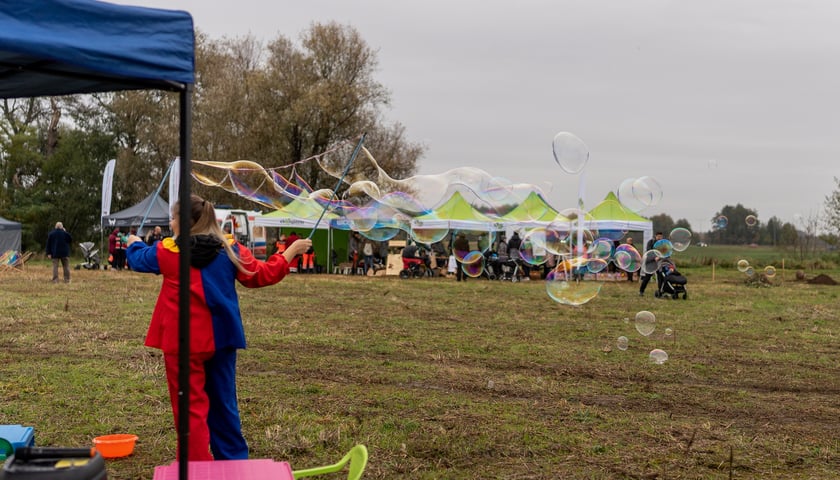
x=61 y=47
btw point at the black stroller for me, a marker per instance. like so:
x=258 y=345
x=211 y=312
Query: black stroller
x=91 y=257
x=670 y=282
x=509 y=269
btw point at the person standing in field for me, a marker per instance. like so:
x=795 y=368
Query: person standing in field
x=629 y=273
x=216 y=264
x=652 y=268
x=461 y=246
x=58 y=249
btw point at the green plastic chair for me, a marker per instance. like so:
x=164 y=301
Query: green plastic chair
x=357 y=456
x=6 y=449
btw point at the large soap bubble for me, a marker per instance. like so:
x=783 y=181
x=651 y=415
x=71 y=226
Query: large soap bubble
x=533 y=249
x=570 y=152
x=645 y=323
x=637 y=194
x=570 y=293
x=680 y=238
x=627 y=258
x=650 y=261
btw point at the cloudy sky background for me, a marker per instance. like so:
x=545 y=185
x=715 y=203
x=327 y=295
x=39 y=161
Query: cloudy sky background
x=721 y=101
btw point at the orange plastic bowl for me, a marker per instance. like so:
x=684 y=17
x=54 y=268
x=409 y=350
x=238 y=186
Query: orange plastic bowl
x=115 y=446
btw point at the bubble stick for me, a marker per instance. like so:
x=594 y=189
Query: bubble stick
x=341 y=179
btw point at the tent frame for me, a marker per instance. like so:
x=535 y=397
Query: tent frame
x=61 y=72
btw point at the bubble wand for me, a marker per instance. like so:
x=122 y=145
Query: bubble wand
x=341 y=179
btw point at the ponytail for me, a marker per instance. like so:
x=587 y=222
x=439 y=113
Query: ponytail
x=204 y=222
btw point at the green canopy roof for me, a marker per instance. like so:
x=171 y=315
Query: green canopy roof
x=534 y=211
x=611 y=209
x=298 y=213
x=455 y=213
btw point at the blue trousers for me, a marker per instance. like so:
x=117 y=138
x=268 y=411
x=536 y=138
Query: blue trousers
x=226 y=440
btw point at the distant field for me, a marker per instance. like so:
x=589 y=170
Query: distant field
x=728 y=255
x=447 y=380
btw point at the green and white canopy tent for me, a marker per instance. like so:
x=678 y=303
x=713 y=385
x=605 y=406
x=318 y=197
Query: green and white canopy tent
x=610 y=214
x=298 y=213
x=533 y=212
x=456 y=213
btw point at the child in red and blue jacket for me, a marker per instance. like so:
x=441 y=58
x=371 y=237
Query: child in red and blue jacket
x=216 y=330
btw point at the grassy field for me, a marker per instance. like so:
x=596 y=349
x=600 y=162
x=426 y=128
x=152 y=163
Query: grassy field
x=446 y=380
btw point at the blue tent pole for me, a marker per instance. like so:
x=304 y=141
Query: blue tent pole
x=341 y=179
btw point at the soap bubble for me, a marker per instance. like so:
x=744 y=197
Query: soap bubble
x=743 y=265
x=770 y=271
x=645 y=322
x=750 y=271
x=668 y=332
x=680 y=238
x=658 y=356
x=533 y=249
x=665 y=247
x=751 y=220
x=627 y=258
x=570 y=293
x=596 y=265
x=650 y=261
x=570 y=152
x=473 y=264
x=637 y=194
x=721 y=222
x=622 y=343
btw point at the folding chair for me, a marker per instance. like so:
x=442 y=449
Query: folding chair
x=357 y=456
x=20 y=261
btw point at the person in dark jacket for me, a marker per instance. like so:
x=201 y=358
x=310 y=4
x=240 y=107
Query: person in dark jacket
x=651 y=267
x=58 y=249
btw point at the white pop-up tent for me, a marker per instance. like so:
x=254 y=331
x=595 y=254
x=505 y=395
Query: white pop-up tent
x=610 y=214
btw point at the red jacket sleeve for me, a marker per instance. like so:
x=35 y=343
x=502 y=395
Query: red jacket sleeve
x=264 y=273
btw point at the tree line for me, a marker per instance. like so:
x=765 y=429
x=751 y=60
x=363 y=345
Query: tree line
x=275 y=104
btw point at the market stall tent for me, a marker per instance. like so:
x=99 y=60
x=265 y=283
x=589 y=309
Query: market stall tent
x=10 y=233
x=151 y=211
x=301 y=216
x=456 y=213
x=610 y=214
x=533 y=212
x=62 y=47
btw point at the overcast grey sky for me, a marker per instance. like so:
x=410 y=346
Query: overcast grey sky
x=721 y=101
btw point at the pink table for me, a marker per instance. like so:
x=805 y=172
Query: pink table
x=229 y=470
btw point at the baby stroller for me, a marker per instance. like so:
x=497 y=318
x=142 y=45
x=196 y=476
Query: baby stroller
x=670 y=282
x=509 y=269
x=413 y=267
x=91 y=257
x=492 y=267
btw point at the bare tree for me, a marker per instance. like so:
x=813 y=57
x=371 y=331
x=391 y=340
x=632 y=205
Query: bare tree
x=832 y=209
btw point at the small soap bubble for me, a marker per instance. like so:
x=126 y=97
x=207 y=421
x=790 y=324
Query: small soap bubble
x=658 y=356
x=622 y=343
